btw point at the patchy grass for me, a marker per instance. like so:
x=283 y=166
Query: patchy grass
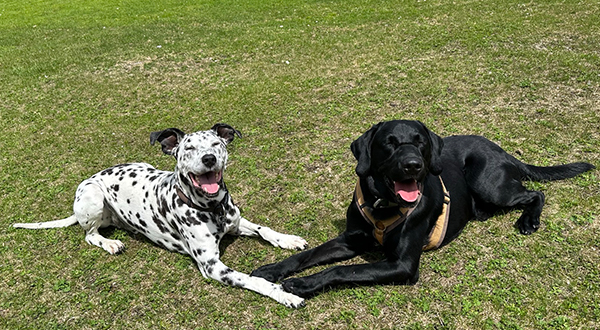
x=83 y=83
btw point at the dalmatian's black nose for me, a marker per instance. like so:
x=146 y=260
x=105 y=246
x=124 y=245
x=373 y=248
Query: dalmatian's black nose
x=209 y=160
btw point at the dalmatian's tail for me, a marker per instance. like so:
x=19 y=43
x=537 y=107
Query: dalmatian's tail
x=49 y=224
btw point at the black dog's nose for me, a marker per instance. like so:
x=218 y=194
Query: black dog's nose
x=209 y=160
x=412 y=166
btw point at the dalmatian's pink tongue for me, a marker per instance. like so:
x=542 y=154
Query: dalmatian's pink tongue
x=407 y=190
x=208 y=182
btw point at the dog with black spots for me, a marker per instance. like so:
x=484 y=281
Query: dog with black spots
x=188 y=210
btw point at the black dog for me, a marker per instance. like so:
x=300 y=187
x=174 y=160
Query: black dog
x=402 y=201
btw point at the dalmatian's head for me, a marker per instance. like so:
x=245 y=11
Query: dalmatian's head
x=201 y=157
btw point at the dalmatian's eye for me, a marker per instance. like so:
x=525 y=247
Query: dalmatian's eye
x=216 y=144
x=190 y=148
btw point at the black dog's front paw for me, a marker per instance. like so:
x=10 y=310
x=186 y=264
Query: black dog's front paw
x=270 y=273
x=297 y=286
x=527 y=224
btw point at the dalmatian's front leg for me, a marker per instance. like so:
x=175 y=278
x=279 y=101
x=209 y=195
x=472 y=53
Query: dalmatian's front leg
x=211 y=267
x=284 y=241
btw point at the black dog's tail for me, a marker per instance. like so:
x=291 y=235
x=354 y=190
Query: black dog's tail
x=549 y=173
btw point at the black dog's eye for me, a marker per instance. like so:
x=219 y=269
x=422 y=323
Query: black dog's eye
x=393 y=142
x=418 y=139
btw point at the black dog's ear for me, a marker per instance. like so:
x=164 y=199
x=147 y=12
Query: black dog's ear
x=436 y=143
x=226 y=132
x=361 y=149
x=169 y=139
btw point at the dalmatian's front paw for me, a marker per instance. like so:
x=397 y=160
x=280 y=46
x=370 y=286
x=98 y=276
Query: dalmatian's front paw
x=290 y=242
x=288 y=299
x=113 y=246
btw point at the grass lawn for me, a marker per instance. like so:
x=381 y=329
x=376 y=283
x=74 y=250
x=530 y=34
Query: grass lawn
x=83 y=83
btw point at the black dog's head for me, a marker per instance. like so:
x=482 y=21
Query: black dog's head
x=398 y=155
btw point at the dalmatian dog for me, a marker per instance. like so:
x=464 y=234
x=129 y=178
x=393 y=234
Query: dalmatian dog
x=188 y=210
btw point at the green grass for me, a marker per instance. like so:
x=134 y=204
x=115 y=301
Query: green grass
x=83 y=83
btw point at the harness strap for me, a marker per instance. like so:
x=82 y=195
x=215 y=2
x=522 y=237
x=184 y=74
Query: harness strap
x=382 y=227
x=439 y=230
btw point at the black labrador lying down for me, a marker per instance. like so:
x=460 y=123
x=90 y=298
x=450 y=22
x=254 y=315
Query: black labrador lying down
x=416 y=192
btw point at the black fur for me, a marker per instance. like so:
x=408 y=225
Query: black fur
x=481 y=177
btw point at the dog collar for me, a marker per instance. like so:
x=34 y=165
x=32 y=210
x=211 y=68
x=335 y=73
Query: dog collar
x=217 y=209
x=382 y=227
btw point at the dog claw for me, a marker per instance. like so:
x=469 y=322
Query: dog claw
x=290 y=300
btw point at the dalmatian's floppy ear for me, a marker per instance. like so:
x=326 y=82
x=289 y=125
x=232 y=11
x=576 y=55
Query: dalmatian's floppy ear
x=226 y=132
x=169 y=139
x=361 y=148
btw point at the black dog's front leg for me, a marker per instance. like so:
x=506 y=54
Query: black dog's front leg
x=383 y=272
x=343 y=247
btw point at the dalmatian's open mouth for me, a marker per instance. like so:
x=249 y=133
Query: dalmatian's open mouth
x=207 y=182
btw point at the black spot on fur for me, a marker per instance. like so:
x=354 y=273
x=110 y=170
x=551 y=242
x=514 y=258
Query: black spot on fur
x=226 y=271
x=115 y=187
x=133 y=183
x=177 y=247
x=107 y=172
x=184 y=180
x=132 y=174
x=203 y=217
x=227 y=281
x=163 y=207
x=161 y=226
x=174 y=225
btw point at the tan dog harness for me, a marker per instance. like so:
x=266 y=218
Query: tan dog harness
x=382 y=227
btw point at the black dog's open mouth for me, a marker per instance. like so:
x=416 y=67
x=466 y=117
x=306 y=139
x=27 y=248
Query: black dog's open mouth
x=407 y=190
x=207 y=182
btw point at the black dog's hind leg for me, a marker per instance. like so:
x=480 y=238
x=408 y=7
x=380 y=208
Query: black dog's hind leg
x=499 y=188
x=343 y=247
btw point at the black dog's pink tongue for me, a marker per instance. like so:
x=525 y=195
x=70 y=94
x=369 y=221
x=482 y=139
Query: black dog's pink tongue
x=407 y=190
x=208 y=182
